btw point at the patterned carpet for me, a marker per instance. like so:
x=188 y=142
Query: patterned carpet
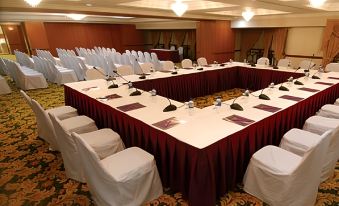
x=30 y=174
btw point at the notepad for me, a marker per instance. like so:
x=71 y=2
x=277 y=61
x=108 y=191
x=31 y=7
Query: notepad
x=293 y=98
x=130 y=107
x=267 y=108
x=109 y=97
x=242 y=121
x=309 y=89
x=89 y=88
x=167 y=123
x=187 y=68
x=324 y=83
x=337 y=78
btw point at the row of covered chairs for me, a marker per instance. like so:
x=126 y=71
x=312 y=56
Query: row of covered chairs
x=115 y=175
x=305 y=158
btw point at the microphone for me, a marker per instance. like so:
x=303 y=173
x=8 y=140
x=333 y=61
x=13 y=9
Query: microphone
x=135 y=93
x=175 y=70
x=314 y=76
x=130 y=85
x=142 y=75
x=108 y=78
x=307 y=70
x=274 y=63
x=253 y=64
x=264 y=96
x=297 y=82
x=237 y=106
x=283 y=88
x=170 y=107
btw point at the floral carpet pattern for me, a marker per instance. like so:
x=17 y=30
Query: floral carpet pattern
x=30 y=174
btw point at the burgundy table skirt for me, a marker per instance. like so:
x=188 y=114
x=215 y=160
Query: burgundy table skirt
x=167 y=54
x=202 y=175
x=184 y=87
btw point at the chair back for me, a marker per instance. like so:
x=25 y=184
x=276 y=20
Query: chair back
x=27 y=99
x=202 y=61
x=332 y=67
x=332 y=155
x=186 y=63
x=68 y=149
x=45 y=127
x=263 y=61
x=168 y=65
x=284 y=63
x=147 y=57
x=125 y=70
x=306 y=64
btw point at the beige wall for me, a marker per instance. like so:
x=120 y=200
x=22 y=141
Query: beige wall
x=304 y=41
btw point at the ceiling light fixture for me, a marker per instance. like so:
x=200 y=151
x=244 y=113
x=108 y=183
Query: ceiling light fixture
x=317 y=3
x=76 y=17
x=247 y=14
x=33 y=3
x=179 y=8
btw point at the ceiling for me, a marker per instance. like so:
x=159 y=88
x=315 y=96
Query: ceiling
x=149 y=10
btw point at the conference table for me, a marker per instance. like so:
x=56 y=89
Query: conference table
x=203 y=153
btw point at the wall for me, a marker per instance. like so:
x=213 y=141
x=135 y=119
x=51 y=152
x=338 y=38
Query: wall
x=215 y=41
x=303 y=42
x=36 y=36
x=71 y=35
x=15 y=37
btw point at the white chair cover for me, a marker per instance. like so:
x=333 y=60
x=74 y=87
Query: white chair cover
x=3 y=68
x=306 y=64
x=146 y=67
x=4 y=88
x=332 y=67
x=278 y=177
x=300 y=141
x=186 y=63
x=284 y=63
x=330 y=111
x=147 y=57
x=319 y=124
x=113 y=182
x=336 y=102
x=125 y=70
x=157 y=64
x=67 y=145
x=141 y=57
x=263 y=61
x=168 y=65
x=202 y=61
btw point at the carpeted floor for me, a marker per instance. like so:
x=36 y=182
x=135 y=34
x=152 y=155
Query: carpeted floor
x=30 y=174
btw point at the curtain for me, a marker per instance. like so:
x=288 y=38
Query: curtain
x=191 y=40
x=331 y=41
x=167 y=38
x=155 y=38
x=278 y=42
x=268 y=35
x=179 y=38
x=248 y=39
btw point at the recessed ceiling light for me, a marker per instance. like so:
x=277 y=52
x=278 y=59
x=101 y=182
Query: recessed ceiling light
x=76 y=17
x=89 y=5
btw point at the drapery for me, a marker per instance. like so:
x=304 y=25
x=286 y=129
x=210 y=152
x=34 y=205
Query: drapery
x=191 y=40
x=268 y=35
x=278 y=42
x=330 y=41
x=179 y=38
x=248 y=39
x=155 y=38
x=166 y=38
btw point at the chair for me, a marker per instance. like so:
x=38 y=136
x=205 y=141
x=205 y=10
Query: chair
x=129 y=177
x=202 y=61
x=299 y=142
x=146 y=67
x=284 y=63
x=125 y=70
x=332 y=67
x=141 y=57
x=330 y=111
x=336 y=102
x=278 y=177
x=306 y=64
x=97 y=73
x=62 y=112
x=319 y=124
x=168 y=66
x=103 y=141
x=4 y=88
x=147 y=57
x=181 y=52
x=186 y=63
x=263 y=61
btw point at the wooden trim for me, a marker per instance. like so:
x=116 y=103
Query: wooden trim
x=303 y=56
